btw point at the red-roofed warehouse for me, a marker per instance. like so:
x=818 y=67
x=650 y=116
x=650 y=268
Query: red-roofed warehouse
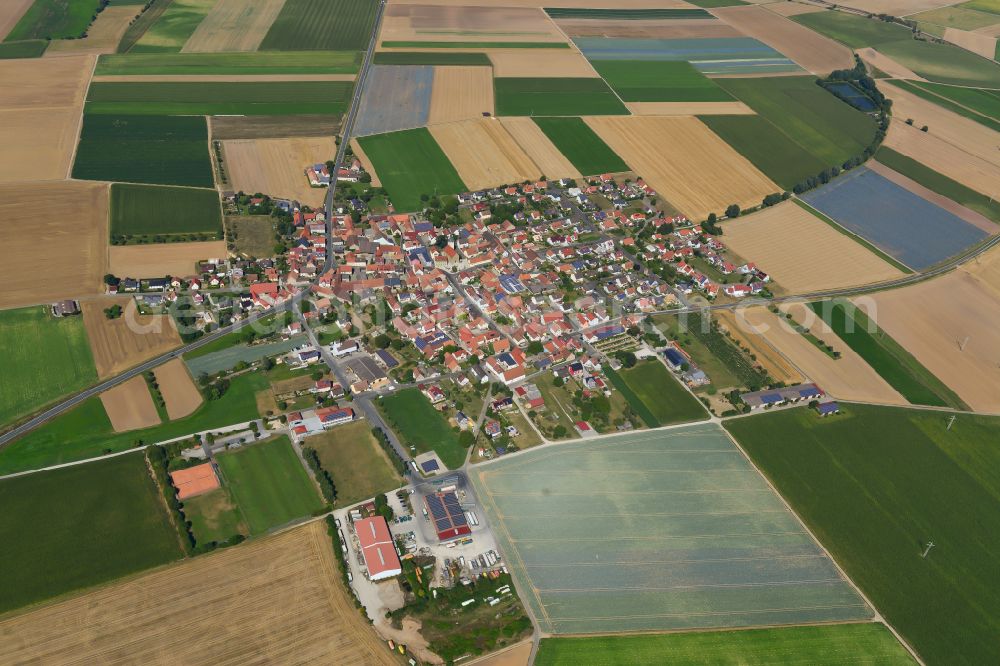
x=377 y=548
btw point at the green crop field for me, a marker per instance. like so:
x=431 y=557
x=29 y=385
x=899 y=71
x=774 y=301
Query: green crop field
x=324 y=62
x=855 y=31
x=626 y=14
x=44 y=357
x=164 y=150
x=85 y=431
x=767 y=147
x=473 y=45
x=321 y=25
x=269 y=484
x=149 y=210
x=71 y=528
x=32 y=48
x=274 y=98
x=661 y=394
x=819 y=646
x=54 y=19
x=826 y=127
x=139 y=26
x=410 y=164
x=357 y=463
x=875 y=485
x=418 y=424
x=940 y=183
x=983 y=106
x=887 y=357
x=555 y=97
x=944 y=63
x=214 y=517
x=581 y=146
x=430 y=58
x=991 y=6
x=173 y=26
x=659 y=81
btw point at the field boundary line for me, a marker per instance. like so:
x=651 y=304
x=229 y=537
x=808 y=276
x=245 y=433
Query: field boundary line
x=79 y=125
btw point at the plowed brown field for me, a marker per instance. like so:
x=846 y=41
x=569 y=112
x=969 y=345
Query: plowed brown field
x=552 y=63
x=234 y=25
x=531 y=138
x=179 y=392
x=276 y=166
x=130 y=406
x=685 y=162
x=977 y=42
x=461 y=93
x=484 y=154
x=118 y=344
x=145 y=261
x=274 y=600
x=102 y=36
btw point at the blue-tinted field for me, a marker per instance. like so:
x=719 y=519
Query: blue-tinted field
x=901 y=224
x=738 y=55
x=396 y=97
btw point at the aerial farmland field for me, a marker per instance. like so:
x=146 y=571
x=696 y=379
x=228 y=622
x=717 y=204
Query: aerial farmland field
x=658 y=394
x=118 y=344
x=159 y=259
x=659 y=81
x=876 y=485
x=321 y=25
x=556 y=97
x=483 y=153
x=79 y=526
x=322 y=62
x=460 y=93
x=275 y=166
x=581 y=146
x=130 y=406
x=542 y=151
x=410 y=164
x=150 y=211
x=395 y=98
x=975 y=103
x=54 y=19
x=234 y=26
x=656 y=530
x=174 y=27
x=717 y=56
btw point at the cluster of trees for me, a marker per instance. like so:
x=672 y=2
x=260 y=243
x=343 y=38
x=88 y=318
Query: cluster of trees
x=383 y=509
x=154 y=389
x=391 y=452
x=323 y=478
x=114 y=312
x=159 y=462
x=213 y=388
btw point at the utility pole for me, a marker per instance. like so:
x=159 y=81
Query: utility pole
x=950 y=422
x=930 y=544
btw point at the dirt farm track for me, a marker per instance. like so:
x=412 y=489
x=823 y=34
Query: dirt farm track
x=276 y=600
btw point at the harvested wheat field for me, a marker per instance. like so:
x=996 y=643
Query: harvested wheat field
x=130 y=405
x=75 y=228
x=977 y=42
x=179 y=392
x=102 y=36
x=484 y=154
x=460 y=93
x=793 y=8
x=550 y=63
x=458 y=22
x=44 y=82
x=518 y=654
x=689 y=108
x=812 y=51
x=234 y=25
x=685 y=162
x=145 y=261
x=550 y=161
x=847 y=378
x=776 y=365
x=365 y=162
x=118 y=344
x=888 y=65
x=277 y=166
x=11 y=12
x=649 y=29
x=279 y=599
x=802 y=253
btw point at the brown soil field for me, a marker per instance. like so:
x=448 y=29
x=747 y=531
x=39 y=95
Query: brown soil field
x=276 y=166
x=848 y=378
x=683 y=160
x=515 y=655
x=102 y=37
x=888 y=65
x=792 y=8
x=535 y=62
x=130 y=405
x=272 y=127
x=75 y=232
x=278 y=599
x=484 y=154
x=689 y=108
x=221 y=78
x=234 y=25
x=461 y=93
x=44 y=82
x=144 y=261
x=977 y=42
x=458 y=22
x=651 y=29
x=365 y=162
x=179 y=392
x=991 y=30
x=776 y=365
x=11 y=12
x=812 y=51
x=118 y=344
x=802 y=253
x=528 y=135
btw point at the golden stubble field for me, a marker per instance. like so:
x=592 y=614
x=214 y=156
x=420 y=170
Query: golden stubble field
x=689 y=109
x=118 y=344
x=277 y=166
x=54 y=237
x=461 y=22
x=130 y=405
x=145 y=261
x=888 y=65
x=802 y=253
x=550 y=161
x=461 y=93
x=685 y=162
x=234 y=25
x=552 y=63
x=277 y=600
x=979 y=43
x=178 y=390
x=484 y=154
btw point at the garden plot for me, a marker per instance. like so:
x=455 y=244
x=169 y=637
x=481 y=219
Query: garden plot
x=395 y=98
x=276 y=166
x=484 y=154
x=530 y=137
x=905 y=226
x=685 y=162
x=737 y=55
x=461 y=93
x=655 y=531
x=144 y=261
x=130 y=406
x=454 y=22
x=234 y=26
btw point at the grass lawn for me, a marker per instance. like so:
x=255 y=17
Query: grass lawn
x=164 y=150
x=54 y=19
x=173 y=26
x=856 y=32
x=214 y=517
x=876 y=484
x=886 y=356
x=659 y=81
x=940 y=183
x=44 y=357
x=818 y=645
x=325 y=62
x=581 y=146
x=418 y=424
x=358 y=465
x=411 y=163
x=983 y=106
x=430 y=58
x=85 y=431
x=146 y=210
x=74 y=527
x=555 y=97
x=319 y=25
x=269 y=484
x=253 y=235
x=661 y=394
x=32 y=48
